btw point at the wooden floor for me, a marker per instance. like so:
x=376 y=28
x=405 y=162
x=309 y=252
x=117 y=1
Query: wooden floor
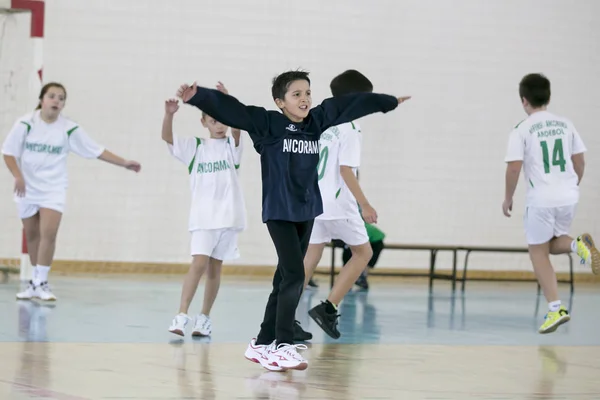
x=398 y=343
x=70 y=371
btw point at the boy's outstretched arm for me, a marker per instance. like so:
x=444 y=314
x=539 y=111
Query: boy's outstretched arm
x=347 y=108
x=226 y=109
x=114 y=159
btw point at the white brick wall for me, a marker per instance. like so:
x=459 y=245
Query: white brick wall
x=433 y=169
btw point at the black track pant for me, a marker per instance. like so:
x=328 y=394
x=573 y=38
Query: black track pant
x=291 y=241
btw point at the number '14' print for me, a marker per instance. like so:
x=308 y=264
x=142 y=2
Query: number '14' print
x=558 y=155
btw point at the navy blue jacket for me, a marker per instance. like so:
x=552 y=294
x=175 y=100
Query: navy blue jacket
x=289 y=151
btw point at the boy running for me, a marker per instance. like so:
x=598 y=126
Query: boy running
x=550 y=150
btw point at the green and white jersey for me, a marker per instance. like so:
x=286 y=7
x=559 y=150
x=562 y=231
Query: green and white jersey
x=339 y=145
x=545 y=143
x=217 y=199
x=41 y=150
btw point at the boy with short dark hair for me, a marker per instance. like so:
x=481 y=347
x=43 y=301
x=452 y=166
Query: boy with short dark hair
x=550 y=150
x=343 y=204
x=288 y=143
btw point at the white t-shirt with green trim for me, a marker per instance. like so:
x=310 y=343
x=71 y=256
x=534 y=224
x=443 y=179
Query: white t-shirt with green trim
x=545 y=143
x=339 y=145
x=41 y=150
x=217 y=198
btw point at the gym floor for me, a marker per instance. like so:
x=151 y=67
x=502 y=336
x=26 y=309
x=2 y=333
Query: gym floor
x=106 y=338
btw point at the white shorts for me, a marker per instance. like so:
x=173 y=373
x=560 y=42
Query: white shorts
x=27 y=210
x=352 y=231
x=220 y=244
x=542 y=224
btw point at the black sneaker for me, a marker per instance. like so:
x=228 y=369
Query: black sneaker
x=327 y=321
x=362 y=282
x=312 y=283
x=300 y=335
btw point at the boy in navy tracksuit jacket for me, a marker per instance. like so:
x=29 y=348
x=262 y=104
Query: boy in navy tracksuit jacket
x=288 y=144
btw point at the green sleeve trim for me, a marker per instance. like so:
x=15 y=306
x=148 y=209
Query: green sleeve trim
x=237 y=166
x=338 y=193
x=71 y=131
x=516 y=126
x=27 y=125
x=198 y=142
x=353 y=126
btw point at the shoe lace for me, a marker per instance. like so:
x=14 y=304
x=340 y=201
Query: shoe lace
x=290 y=349
x=334 y=317
x=205 y=323
x=181 y=318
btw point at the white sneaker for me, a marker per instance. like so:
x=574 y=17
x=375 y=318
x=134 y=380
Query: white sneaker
x=257 y=353
x=179 y=323
x=28 y=293
x=202 y=326
x=286 y=356
x=44 y=293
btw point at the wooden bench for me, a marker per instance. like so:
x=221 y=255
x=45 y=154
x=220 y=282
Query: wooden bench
x=490 y=249
x=5 y=271
x=433 y=251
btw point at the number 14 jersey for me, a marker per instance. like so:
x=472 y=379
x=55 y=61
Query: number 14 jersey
x=338 y=146
x=545 y=143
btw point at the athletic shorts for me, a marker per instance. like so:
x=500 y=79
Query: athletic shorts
x=542 y=224
x=350 y=231
x=220 y=244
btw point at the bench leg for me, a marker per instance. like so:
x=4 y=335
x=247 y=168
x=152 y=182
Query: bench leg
x=430 y=311
x=453 y=274
x=452 y=308
x=432 y=268
x=464 y=278
x=571 y=273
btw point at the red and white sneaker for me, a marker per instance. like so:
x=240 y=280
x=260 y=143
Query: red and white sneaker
x=286 y=356
x=258 y=353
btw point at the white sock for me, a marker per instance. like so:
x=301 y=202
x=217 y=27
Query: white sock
x=554 y=306
x=574 y=246
x=42 y=274
x=34 y=273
